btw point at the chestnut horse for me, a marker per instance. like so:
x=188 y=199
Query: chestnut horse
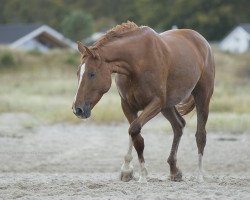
x=171 y=73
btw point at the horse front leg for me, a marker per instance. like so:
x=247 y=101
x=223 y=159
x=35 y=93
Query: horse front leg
x=135 y=132
x=127 y=172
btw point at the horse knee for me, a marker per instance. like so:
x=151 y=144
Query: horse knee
x=171 y=160
x=134 y=129
x=178 y=130
x=201 y=136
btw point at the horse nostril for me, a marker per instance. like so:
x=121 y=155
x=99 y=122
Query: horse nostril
x=79 y=111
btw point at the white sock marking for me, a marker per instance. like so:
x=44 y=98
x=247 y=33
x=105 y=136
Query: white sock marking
x=127 y=168
x=200 y=170
x=143 y=174
x=128 y=157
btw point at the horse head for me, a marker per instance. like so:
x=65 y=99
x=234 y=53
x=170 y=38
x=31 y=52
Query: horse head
x=94 y=79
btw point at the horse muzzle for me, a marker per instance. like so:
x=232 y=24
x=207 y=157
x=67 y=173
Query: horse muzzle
x=83 y=112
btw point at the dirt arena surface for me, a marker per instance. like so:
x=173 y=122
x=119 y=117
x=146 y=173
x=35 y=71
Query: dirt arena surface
x=83 y=161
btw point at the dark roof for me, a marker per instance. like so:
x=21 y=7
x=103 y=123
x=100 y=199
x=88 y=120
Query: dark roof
x=12 y=32
x=246 y=27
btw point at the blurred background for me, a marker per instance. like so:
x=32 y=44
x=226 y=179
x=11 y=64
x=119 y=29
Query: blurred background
x=38 y=57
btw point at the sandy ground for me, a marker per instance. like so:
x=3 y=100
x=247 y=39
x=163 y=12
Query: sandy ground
x=83 y=161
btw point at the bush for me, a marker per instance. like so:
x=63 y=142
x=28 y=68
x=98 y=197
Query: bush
x=72 y=60
x=7 y=60
x=35 y=52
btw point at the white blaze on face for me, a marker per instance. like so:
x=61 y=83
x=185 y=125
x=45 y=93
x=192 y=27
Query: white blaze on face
x=82 y=70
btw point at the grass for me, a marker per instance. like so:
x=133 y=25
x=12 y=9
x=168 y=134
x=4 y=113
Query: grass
x=224 y=122
x=44 y=85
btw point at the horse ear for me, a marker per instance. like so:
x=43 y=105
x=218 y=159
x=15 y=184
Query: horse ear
x=89 y=52
x=81 y=47
x=85 y=50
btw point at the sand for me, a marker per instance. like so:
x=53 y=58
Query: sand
x=65 y=161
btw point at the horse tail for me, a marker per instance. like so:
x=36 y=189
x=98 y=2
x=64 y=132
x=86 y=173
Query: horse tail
x=186 y=106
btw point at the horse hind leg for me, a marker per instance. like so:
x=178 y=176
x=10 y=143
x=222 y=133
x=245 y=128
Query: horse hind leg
x=201 y=142
x=202 y=95
x=202 y=115
x=177 y=123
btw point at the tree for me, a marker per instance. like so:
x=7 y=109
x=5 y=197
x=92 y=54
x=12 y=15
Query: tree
x=212 y=18
x=26 y=11
x=77 y=25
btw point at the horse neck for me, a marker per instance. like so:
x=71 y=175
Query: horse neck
x=125 y=54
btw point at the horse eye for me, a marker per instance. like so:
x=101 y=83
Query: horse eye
x=91 y=75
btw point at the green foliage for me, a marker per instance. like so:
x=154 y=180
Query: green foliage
x=72 y=60
x=212 y=18
x=35 y=52
x=77 y=25
x=7 y=60
x=45 y=11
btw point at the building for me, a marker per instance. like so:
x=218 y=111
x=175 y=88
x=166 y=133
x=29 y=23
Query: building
x=238 y=40
x=33 y=37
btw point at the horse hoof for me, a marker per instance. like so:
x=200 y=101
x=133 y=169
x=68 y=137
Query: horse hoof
x=176 y=177
x=127 y=175
x=200 y=178
x=143 y=176
x=142 y=180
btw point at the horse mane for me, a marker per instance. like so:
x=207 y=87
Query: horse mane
x=115 y=32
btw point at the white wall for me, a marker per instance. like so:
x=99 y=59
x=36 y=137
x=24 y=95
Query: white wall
x=238 y=41
x=33 y=44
